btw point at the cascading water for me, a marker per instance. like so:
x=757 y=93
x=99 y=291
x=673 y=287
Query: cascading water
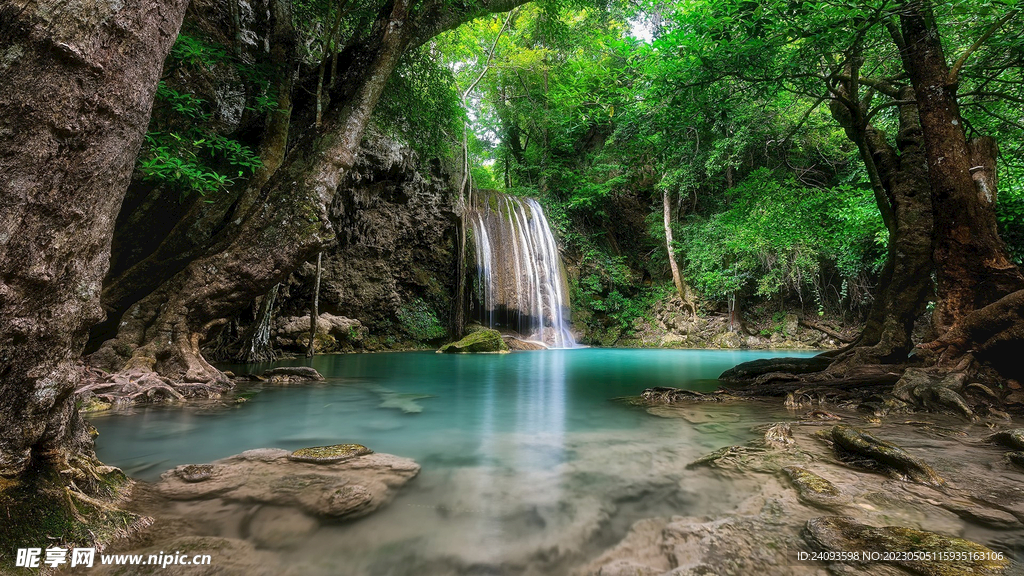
x=521 y=284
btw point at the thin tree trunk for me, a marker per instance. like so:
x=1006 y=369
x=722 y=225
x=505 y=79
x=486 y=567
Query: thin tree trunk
x=314 y=311
x=76 y=103
x=681 y=287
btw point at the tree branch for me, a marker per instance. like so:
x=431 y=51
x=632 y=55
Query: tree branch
x=954 y=73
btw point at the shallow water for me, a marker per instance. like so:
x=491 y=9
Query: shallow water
x=438 y=409
x=529 y=465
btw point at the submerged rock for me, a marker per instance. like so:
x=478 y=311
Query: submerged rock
x=778 y=435
x=350 y=488
x=861 y=448
x=293 y=374
x=665 y=395
x=920 y=551
x=279 y=527
x=481 y=341
x=329 y=454
x=814 y=489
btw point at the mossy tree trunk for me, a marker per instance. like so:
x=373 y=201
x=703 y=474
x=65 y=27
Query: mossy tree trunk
x=76 y=102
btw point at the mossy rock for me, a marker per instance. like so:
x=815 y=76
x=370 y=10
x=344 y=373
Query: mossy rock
x=481 y=341
x=860 y=448
x=912 y=547
x=814 y=489
x=329 y=454
x=1010 y=438
x=194 y=472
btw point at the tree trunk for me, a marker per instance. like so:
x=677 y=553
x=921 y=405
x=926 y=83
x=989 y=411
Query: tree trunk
x=286 y=226
x=314 y=311
x=681 y=287
x=256 y=347
x=76 y=104
x=198 y=231
x=76 y=98
x=973 y=266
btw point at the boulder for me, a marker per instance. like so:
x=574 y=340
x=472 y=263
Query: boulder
x=322 y=488
x=481 y=341
x=330 y=329
x=514 y=343
x=791 y=323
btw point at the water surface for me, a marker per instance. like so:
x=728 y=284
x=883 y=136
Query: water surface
x=529 y=466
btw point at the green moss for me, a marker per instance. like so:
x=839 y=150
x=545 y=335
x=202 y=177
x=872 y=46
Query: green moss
x=40 y=510
x=480 y=341
x=329 y=454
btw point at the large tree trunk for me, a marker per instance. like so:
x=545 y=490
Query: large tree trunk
x=76 y=103
x=973 y=266
x=905 y=284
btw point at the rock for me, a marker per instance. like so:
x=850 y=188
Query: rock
x=1009 y=438
x=279 y=527
x=851 y=443
x=194 y=472
x=686 y=546
x=326 y=324
x=347 y=489
x=814 y=489
x=514 y=343
x=661 y=395
x=844 y=534
x=482 y=341
x=728 y=340
x=329 y=454
x=791 y=323
x=671 y=340
x=1016 y=458
x=292 y=374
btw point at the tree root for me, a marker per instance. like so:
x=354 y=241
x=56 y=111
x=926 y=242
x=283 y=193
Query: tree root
x=136 y=386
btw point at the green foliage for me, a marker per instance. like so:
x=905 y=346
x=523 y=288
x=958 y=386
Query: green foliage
x=420 y=321
x=421 y=105
x=182 y=149
x=778 y=236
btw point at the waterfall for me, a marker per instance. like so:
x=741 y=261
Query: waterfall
x=520 y=281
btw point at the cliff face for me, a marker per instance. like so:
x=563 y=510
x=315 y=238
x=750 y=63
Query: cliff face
x=393 y=268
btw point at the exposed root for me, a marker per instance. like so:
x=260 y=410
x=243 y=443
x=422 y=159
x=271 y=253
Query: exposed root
x=136 y=385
